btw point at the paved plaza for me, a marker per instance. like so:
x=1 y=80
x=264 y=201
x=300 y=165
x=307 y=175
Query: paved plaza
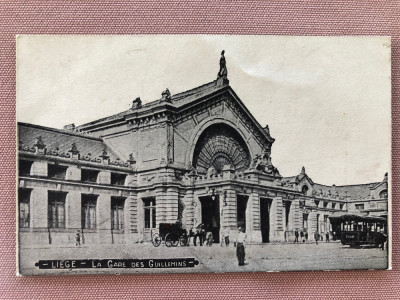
x=259 y=258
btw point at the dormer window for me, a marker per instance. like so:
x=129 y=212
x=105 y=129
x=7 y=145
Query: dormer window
x=118 y=179
x=304 y=189
x=89 y=175
x=57 y=172
x=24 y=167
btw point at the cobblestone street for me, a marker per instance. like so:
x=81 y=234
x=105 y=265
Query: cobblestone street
x=266 y=257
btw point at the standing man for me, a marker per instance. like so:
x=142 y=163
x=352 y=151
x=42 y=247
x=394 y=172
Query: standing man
x=78 y=238
x=202 y=235
x=302 y=236
x=195 y=235
x=316 y=237
x=240 y=244
x=306 y=236
x=327 y=237
x=226 y=237
x=296 y=236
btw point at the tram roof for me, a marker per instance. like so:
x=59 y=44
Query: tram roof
x=356 y=217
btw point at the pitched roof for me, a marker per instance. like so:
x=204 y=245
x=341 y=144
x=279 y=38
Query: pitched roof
x=61 y=139
x=177 y=100
x=355 y=191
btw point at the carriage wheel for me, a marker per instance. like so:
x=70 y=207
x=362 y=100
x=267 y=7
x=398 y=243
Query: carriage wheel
x=156 y=240
x=175 y=240
x=183 y=241
x=168 y=240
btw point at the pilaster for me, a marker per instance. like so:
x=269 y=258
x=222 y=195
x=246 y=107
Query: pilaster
x=277 y=221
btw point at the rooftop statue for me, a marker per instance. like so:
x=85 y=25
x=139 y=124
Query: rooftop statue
x=223 y=71
x=166 y=95
x=137 y=103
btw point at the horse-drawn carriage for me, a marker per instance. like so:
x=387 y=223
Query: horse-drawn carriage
x=171 y=233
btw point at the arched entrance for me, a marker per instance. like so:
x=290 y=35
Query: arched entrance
x=220 y=145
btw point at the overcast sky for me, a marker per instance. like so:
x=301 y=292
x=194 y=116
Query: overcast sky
x=325 y=99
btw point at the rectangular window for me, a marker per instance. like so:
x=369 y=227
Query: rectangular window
x=360 y=206
x=56 y=209
x=118 y=179
x=333 y=205
x=149 y=206
x=89 y=211
x=325 y=204
x=24 y=167
x=341 y=206
x=89 y=175
x=56 y=171
x=117 y=213
x=24 y=207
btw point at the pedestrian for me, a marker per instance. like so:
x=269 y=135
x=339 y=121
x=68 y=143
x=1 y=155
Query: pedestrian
x=327 y=237
x=226 y=237
x=240 y=246
x=316 y=237
x=209 y=239
x=195 y=235
x=302 y=236
x=202 y=235
x=191 y=236
x=78 y=238
x=306 y=236
x=383 y=239
x=296 y=236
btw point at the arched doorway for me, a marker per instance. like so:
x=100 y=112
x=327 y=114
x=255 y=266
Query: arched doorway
x=220 y=145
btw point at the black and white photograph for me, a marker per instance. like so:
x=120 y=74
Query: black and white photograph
x=202 y=153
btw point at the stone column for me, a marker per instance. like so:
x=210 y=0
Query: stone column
x=197 y=217
x=253 y=218
x=230 y=218
x=167 y=205
x=131 y=219
x=39 y=216
x=294 y=215
x=312 y=224
x=73 y=210
x=188 y=211
x=277 y=215
x=39 y=208
x=103 y=216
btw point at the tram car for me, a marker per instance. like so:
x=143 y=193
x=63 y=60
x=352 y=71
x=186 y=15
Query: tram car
x=357 y=230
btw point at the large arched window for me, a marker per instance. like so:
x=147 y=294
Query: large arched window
x=304 y=189
x=220 y=145
x=383 y=194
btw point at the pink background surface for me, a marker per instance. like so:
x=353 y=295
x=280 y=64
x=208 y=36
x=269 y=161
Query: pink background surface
x=148 y=17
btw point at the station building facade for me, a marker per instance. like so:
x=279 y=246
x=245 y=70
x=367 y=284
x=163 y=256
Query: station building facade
x=193 y=157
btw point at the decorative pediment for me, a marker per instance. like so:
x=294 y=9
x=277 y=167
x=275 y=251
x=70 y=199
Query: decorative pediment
x=225 y=100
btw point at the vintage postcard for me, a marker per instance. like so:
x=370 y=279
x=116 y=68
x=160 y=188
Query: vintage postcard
x=196 y=153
